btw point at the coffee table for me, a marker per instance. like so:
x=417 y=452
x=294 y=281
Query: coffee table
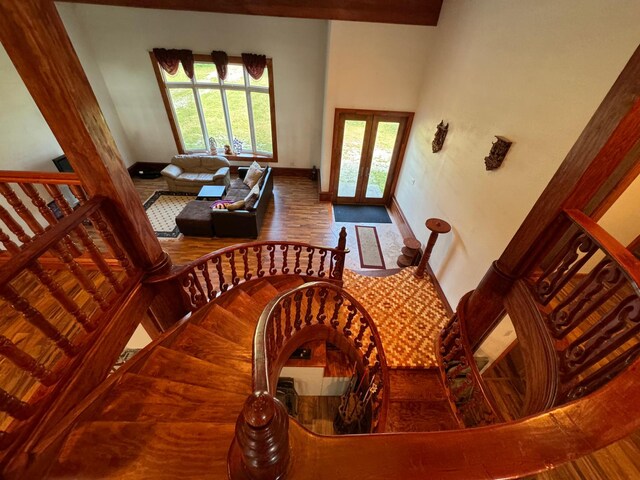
x=211 y=192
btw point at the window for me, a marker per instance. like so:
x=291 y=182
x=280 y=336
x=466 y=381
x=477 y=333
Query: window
x=235 y=111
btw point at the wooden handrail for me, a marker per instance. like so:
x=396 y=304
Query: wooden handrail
x=46 y=240
x=625 y=259
x=47 y=178
x=261 y=446
x=182 y=269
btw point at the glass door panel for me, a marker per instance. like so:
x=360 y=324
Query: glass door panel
x=351 y=157
x=381 y=159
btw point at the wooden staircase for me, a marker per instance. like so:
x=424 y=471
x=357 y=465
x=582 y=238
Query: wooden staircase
x=174 y=416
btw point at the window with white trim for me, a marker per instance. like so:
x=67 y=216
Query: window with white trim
x=236 y=111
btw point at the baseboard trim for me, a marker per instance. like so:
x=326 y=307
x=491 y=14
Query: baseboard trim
x=324 y=196
x=406 y=231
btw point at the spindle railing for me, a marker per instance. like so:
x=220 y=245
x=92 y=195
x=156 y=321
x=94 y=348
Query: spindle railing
x=589 y=296
x=51 y=316
x=217 y=272
x=315 y=310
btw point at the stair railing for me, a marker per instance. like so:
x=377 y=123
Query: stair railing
x=217 y=272
x=315 y=310
x=55 y=306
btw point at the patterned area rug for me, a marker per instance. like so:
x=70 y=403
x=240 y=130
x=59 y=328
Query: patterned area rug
x=162 y=209
x=407 y=311
x=369 y=247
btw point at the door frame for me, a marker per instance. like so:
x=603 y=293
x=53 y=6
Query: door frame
x=336 y=147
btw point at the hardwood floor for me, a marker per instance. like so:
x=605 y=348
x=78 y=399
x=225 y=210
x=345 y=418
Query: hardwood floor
x=295 y=214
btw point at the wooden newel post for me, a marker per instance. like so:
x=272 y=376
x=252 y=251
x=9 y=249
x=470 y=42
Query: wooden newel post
x=342 y=246
x=437 y=227
x=262 y=440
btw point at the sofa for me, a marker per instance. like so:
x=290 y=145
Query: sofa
x=189 y=173
x=243 y=223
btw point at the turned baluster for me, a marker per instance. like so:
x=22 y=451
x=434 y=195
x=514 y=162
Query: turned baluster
x=89 y=245
x=218 y=263
x=286 y=304
x=298 y=251
x=258 y=251
x=54 y=288
x=235 y=279
x=14 y=406
x=20 y=208
x=48 y=215
x=369 y=351
x=437 y=227
x=211 y=292
x=285 y=251
x=308 y=316
x=101 y=225
x=14 y=226
x=297 y=298
x=321 y=317
x=353 y=311
x=35 y=318
x=278 y=323
x=245 y=263
x=310 y=251
x=262 y=439
x=26 y=362
x=323 y=256
x=363 y=327
x=338 y=301
x=272 y=259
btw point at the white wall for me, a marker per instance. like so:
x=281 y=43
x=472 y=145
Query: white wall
x=26 y=142
x=82 y=46
x=532 y=72
x=121 y=38
x=371 y=66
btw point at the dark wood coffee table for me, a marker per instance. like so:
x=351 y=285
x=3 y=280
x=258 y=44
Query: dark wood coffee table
x=211 y=192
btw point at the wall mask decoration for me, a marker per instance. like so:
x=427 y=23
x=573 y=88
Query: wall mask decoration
x=441 y=134
x=499 y=150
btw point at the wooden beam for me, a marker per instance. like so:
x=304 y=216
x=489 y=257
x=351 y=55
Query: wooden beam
x=410 y=12
x=35 y=39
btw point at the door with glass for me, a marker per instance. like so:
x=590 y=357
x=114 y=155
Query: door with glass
x=366 y=155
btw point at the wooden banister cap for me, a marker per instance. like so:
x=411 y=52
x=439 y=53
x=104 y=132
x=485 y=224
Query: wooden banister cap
x=259 y=409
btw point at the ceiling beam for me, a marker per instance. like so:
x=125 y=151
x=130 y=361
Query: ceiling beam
x=409 y=12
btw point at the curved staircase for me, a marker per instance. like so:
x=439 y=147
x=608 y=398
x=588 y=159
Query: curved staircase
x=173 y=414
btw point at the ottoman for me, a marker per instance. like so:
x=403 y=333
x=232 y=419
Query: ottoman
x=195 y=219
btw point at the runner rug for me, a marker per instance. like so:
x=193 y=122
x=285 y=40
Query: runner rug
x=162 y=209
x=369 y=247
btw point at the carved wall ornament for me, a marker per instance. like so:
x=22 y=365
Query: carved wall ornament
x=499 y=150
x=441 y=134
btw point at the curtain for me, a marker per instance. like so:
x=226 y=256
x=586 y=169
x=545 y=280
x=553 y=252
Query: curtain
x=170 y=59
x=255 y=64
x=221 y=60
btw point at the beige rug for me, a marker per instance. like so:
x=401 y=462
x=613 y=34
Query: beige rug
x=407 y=312
x=162 y=209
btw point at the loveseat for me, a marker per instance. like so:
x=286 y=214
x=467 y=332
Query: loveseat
x=189 y=173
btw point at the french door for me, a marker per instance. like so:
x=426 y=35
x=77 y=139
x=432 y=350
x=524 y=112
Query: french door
x=367 y=151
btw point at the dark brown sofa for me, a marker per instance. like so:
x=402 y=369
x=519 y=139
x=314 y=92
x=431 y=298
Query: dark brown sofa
x=243 y=223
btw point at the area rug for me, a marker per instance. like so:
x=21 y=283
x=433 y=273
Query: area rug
x=162 y=209
x=369 y=247
x=361 y=214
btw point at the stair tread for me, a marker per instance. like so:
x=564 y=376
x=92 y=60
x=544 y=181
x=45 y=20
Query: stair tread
x=145 y=450
x=180 y=367
x=282 y=283
x=206 y=345
x=262 y=292
x=420 y=416
x=416 y=384
x=141 y=398
x=224 y=323
x=245 y=307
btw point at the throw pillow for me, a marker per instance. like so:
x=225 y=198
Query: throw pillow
x=235 y=205
x=220 y=204
x=251 y=199
x=253 y=175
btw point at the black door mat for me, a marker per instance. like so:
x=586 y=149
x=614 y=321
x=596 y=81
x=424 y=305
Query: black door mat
x=361 y=214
